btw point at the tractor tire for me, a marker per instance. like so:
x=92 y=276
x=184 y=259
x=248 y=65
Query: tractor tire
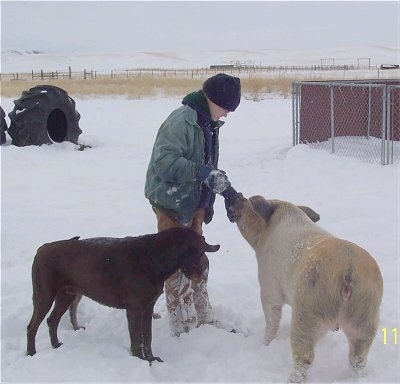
x=43 y=115
x=3 y=126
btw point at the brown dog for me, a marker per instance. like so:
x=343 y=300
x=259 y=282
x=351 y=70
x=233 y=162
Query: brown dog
x=126 y=273
x=328 y=282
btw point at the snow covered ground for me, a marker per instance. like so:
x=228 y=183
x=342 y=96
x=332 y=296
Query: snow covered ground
x=56 y=192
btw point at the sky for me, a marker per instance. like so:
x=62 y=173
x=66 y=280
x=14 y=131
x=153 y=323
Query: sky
x=108 y=26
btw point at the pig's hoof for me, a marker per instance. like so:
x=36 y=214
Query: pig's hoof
x=57 y=345
x=298 y=375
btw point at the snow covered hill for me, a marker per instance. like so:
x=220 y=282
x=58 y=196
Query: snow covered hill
x=14 y=61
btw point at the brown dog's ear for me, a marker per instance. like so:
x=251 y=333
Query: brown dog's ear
x=262 y=207
x=211 y=248
x=310 y=213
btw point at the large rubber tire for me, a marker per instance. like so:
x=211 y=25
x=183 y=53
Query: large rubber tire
x=43 y=115
x=3 y=126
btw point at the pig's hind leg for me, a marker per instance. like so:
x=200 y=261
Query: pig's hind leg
x=306 y=329
x=360 y=338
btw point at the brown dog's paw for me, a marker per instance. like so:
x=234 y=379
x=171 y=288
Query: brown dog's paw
x=154 y=358
x=147 y=356
x=77 y=328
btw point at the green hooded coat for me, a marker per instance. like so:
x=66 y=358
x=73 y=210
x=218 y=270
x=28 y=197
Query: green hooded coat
x=178 y=153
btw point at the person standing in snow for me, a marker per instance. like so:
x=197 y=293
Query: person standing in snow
x=182 y=181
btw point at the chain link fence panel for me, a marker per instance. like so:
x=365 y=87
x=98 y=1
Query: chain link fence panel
x=354 y=118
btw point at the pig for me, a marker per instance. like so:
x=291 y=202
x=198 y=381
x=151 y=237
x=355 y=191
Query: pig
x=327 y=281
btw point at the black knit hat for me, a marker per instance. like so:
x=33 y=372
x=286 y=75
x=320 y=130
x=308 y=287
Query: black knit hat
x=223 y=90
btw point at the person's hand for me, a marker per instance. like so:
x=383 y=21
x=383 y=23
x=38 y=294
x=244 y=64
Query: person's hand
x=204 y=171
x=230 y=195
x=215 y=179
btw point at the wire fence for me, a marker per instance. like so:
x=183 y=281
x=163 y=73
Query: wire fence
x=355 y=118
x=237 y=69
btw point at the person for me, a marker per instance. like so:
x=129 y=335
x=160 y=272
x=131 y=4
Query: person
x=182 y=181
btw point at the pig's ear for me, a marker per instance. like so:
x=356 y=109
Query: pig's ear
x=310 y=213
x=262 y=207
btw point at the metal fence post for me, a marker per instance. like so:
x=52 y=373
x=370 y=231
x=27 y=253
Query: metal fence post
x=332 y=122
x=295 y=112
x=389 y=141
x=369 y=112
x=383 y=134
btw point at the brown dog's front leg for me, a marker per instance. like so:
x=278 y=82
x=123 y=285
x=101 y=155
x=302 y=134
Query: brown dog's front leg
x=140 y=344
x=147 y=334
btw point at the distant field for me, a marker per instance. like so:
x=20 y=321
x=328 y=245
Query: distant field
x=254 y=86
x=145 y=86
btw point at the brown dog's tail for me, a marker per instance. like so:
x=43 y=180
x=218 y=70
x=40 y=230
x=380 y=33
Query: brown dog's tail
x=347 y=284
